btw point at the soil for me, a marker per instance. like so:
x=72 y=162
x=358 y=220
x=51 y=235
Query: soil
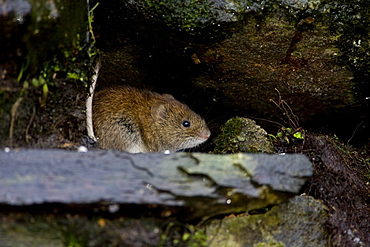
x=340 y=183
x=60 y=123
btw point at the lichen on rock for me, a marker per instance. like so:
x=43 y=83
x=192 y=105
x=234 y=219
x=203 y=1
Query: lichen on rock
x=242 y=135
x=296 y=223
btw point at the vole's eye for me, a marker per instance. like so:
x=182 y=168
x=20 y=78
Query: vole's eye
x=186 y=123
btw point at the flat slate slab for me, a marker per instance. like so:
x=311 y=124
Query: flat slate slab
x=205 y=184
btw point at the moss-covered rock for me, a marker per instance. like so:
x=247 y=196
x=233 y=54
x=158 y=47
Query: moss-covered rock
x=299 y=222
x=242 y=135
x=193 y=16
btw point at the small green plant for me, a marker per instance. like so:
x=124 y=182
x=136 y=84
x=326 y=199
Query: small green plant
x=287 y=137
x=43 y=81
x=75 y=76
x=192 y=236
x=23 y=69
x=90 y=19
x=195 y=237
x=72 y=240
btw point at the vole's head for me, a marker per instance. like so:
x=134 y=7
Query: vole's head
x=178 y=127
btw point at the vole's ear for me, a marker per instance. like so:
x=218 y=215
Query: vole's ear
x=168 y=97
x=159 y=110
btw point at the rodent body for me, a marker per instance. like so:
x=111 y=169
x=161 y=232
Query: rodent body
x=140 y=121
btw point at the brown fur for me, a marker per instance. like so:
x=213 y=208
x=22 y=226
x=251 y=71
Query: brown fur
x=142 y=121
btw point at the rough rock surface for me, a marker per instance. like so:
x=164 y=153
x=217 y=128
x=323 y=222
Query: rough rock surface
x=243 y=135
x=202 y=184
x=300 y=222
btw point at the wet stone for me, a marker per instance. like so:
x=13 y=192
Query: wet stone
x=198 y=184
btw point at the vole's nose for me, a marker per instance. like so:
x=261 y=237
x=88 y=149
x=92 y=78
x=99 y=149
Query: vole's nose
x=205 y=135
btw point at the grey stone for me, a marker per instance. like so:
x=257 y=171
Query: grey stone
x=243 y=135
x=203 y=184
x=300 y=222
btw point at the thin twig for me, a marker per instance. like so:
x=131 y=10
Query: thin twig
x=287 y=111
x=89 y=122
x=13 y=111
x=354 y=132
x=27 y=137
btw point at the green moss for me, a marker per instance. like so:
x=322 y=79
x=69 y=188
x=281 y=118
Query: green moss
x=269 y=244
x=242 y=135
x=288 y=224
x=186 y=15
x=226 y=141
